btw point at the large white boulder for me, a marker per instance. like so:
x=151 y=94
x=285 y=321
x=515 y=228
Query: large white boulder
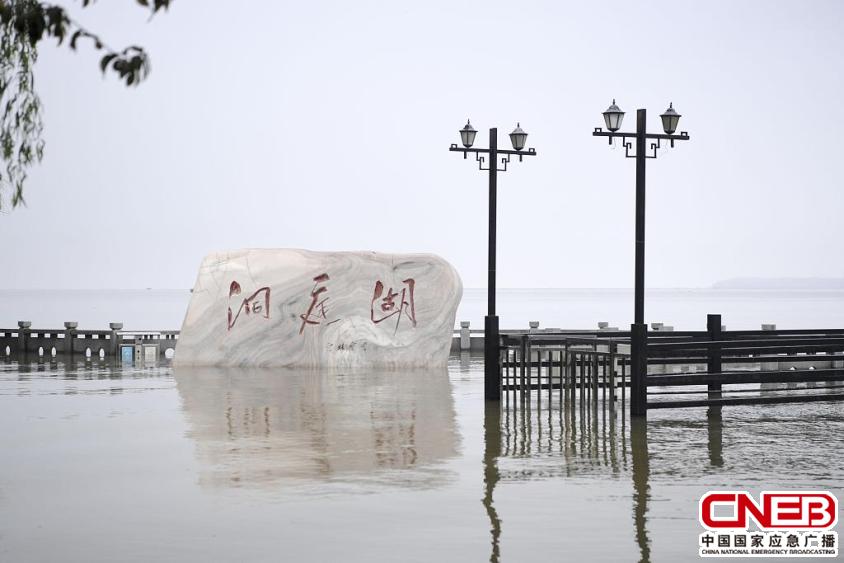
x=297 y=308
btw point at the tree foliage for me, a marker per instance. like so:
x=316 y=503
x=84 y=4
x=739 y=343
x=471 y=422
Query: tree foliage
x=23 y=25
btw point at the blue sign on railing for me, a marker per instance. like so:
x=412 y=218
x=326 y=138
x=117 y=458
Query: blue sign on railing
x=127 y=354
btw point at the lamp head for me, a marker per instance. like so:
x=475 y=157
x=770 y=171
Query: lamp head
x=670 y=119
x=613 y=117
x=518 y=137
x=467 y=135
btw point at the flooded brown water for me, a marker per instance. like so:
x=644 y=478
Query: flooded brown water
x=103 y=463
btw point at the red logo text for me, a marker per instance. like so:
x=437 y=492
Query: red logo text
x=792 y=510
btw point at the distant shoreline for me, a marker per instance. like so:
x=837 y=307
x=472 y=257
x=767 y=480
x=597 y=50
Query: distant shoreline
x=780 y=283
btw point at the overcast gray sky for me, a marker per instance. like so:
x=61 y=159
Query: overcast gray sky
x=325 y=125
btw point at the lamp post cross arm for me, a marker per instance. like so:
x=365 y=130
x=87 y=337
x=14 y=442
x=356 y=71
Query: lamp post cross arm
x=628 y=144
x=527 y=152
x=599 y=132
x=505 y=159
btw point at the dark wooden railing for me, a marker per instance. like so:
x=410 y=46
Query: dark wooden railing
x=684 y=368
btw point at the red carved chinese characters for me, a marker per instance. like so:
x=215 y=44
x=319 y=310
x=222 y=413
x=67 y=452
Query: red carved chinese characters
x=256 y=304
x=317 y=309
x=389 y=307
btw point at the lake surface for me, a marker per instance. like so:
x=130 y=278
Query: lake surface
x=101 y=462
x=109 y=463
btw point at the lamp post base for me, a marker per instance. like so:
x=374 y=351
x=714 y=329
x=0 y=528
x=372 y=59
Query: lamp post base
x=492 y=359
x=638 y=369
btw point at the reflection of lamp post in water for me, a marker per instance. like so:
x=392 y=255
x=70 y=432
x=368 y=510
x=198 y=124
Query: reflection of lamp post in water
x=639 y=330
x=641 y=489
x=492 y=451
x=518 y=138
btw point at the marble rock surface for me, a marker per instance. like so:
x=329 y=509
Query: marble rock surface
x=297 y=308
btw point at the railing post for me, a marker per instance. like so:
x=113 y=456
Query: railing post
x=595 y=367
x=769 y=366
x=613 y=349
x=523 y=353
x=69 y=336
x=529 y=376
x=713 y=363
x=23 y=336
x=465 y=336
x=638 y=369
x=114 y=347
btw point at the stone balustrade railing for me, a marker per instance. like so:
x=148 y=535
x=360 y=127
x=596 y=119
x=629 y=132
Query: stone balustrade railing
x=71 y=340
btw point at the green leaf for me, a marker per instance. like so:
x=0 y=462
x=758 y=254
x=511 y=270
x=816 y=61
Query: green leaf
x=104 y=62
x=76 y=34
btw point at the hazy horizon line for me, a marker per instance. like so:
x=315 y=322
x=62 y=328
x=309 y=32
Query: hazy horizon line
x=603 y=288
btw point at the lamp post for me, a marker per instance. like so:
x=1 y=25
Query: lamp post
x=613 y=117
x=488 y=160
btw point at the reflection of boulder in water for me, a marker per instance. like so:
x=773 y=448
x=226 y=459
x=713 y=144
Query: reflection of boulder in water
x=257 y=426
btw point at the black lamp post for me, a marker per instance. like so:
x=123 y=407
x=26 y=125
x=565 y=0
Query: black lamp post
x=639 y=330
x=492 y=355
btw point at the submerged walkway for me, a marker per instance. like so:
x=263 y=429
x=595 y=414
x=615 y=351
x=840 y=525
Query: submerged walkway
x=683 y=369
